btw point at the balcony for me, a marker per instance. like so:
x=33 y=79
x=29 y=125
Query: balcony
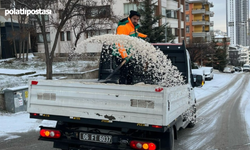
x=211 y=4
x=211 y=14
x=211 y=23
x=203 y=22
x=198 y=11
x=201 y=34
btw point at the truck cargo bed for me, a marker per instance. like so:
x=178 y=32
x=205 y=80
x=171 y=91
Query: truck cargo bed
x=111 y=102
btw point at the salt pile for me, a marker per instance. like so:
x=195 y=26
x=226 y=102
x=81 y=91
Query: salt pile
x=144 y=54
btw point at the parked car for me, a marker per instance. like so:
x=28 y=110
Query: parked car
x=238 y=69
x=199 y=72
x=227 y=70
x=209 y=75
x=246 y=68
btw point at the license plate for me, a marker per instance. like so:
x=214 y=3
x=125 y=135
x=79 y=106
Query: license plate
x=95 y=137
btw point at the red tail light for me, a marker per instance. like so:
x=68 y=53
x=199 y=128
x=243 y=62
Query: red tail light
x=152 y=146
x=155 y=126
x=142 y=145
x=34 y=114
x=48 y=133
x=34 y=82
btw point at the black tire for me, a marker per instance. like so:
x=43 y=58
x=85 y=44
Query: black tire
x=191 y=125
x=172 y=139
x=167 y=141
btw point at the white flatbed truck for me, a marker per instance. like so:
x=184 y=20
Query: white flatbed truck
x=108 y=116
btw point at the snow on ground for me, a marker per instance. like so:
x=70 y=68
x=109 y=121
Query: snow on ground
x=245 y=103
x=19 y=122
x=210 y=87
x=7 y=81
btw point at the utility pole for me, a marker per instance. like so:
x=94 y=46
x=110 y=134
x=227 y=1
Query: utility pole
x=159 y=12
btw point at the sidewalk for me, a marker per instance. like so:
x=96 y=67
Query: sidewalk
x=15 y=72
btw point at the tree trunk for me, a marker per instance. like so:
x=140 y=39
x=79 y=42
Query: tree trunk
x=23 y=50
x=49 y=69
x=20 y=48
x=27 y=50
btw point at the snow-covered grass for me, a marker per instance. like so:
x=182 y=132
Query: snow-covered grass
x=18 y=123
x=39 y=66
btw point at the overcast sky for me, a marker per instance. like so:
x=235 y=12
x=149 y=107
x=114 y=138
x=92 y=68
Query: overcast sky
x=219 y=18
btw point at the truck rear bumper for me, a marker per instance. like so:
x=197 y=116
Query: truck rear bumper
x=119 y=142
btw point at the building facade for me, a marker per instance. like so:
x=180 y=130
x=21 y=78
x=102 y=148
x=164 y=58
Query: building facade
x=15 y=32
x=198 y=23
x=172 y=11
x=238 y=55
x=237 y=14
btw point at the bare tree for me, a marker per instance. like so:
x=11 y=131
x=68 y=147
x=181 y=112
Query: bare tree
x=93 y=18
x=23 y=36
x=196 y=50
x=67 y=10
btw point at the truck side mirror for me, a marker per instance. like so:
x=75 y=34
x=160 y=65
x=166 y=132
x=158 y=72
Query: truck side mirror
x=197 y=80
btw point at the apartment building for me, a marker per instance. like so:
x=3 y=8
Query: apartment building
x=198 y=23
x=238 y=55
x=6 y=48
x=237 y=19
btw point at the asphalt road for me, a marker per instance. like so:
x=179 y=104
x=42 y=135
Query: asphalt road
x=220 y=124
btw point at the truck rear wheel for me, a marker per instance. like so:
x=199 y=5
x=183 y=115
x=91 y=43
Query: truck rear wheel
x=167 y=142
x=191 y=125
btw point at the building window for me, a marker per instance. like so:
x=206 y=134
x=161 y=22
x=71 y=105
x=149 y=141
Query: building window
x=5 y=4
x=176 y=32
x=92 y=33
x=68 y=36
x=171 y=14
x=187 y=40
x=98 y=12
x=60 y=13
x=187 y=6
x=131 y=6
x=187 y=18
x=46 y=17
x=163 y=12
x=62 y=36
x=40 y=37
x=187 y=29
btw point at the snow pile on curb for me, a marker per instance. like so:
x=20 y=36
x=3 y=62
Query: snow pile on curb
x=158 y=66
